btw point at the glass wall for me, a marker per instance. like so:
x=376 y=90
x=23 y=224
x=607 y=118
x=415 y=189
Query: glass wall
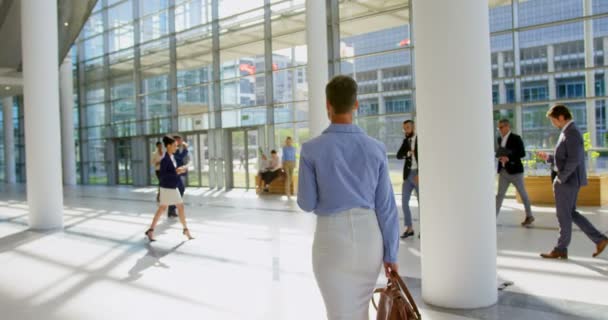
x=546 y=52
x=206 y=68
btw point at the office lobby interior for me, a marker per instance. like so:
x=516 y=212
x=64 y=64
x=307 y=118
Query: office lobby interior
x=86 y=94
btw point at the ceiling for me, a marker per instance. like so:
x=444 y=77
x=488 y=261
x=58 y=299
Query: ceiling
x=73 y=12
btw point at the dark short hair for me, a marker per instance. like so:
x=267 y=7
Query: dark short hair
x=504 y=121
x=168 y=140
x=288 y=138
x=341 y=92
x=158 y=143
x=177 y=136
x=408 y=121
x=559 y=110
x=273 y=151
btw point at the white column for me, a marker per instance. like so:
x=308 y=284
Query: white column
x=42 y=122
x=318 y=69
x=9 y=140
x=67 y=122
x=458 y=268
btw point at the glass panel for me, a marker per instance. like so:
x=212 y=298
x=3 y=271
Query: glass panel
x=123 y=163
x=97 y=173
x=236 y=63
x=291 y=112
x=192 y=13
x=289 y=51
x=229 y=8
x=253 y=144
x=154 y=26
x=93 y=26
x=157 y=125
x=203 y=167
x=121 y=68
x=96 y=114
x=288 y=17
x=600 y=6
x=120 y=14
x=123 y=87
x=155 y=53
x=193 y=100
x=193 y=76
x=244 y=117
x=386 y=28
x=193 y=174
x=123 y=110
x=155 y=83
x=93 y=47
x=393 y=69
x=290 y=85
x=121 y=38
x=152 y=147
x=243 y=92
x=538 y=133
x=533 y=12
x=239 y=167
x=151 y=6
x=501 y=17
x=555 y=48
x=156 y=105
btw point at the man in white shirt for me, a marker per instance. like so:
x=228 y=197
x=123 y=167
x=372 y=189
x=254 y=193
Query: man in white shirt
x=511 y=168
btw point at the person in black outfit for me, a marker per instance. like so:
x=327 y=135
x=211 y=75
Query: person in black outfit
x=509 y=153
x=169 y=173
x=409 y=152
x=183 y=160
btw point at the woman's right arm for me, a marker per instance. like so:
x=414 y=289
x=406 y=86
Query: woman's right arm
x=386 y=212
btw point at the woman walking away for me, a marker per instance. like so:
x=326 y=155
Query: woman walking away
x=169 y=194
x=344 y=180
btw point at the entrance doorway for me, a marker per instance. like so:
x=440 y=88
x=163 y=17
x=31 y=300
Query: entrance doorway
x=245 y=156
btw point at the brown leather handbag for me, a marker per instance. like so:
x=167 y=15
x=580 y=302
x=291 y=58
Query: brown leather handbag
x=396 y=302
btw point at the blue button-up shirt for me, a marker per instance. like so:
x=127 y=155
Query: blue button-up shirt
x=289 y=153
x=344 y=169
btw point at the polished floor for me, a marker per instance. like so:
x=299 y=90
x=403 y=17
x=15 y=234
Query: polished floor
x=250 y=260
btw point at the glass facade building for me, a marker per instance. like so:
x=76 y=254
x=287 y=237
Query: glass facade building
x=230 y=76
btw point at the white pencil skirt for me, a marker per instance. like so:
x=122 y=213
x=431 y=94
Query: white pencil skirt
x=170 y=196
x=347 y=259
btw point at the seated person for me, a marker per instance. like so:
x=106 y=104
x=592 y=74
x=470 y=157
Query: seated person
x=270 y=170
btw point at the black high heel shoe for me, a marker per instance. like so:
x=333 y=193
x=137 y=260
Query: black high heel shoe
x=186 y=232
x=148 y=234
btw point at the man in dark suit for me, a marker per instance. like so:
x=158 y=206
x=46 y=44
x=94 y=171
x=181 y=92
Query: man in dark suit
x=568 y=165
x=509 y=153
x=409 y=152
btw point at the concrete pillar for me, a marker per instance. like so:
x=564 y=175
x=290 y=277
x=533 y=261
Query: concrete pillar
x=502 y=88
x=318 y=68
x=39 y=49
x=67 y=122
x=9 y=140
x=590 y=80
x=551 y=68
x=457 y=200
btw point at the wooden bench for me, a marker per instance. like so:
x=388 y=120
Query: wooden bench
x=277 y=186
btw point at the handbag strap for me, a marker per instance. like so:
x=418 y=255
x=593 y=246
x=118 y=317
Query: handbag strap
x=397 y=279
x=374 y=300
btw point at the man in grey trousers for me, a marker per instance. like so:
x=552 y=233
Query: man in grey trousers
x=569 y=175
x=509 y=153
